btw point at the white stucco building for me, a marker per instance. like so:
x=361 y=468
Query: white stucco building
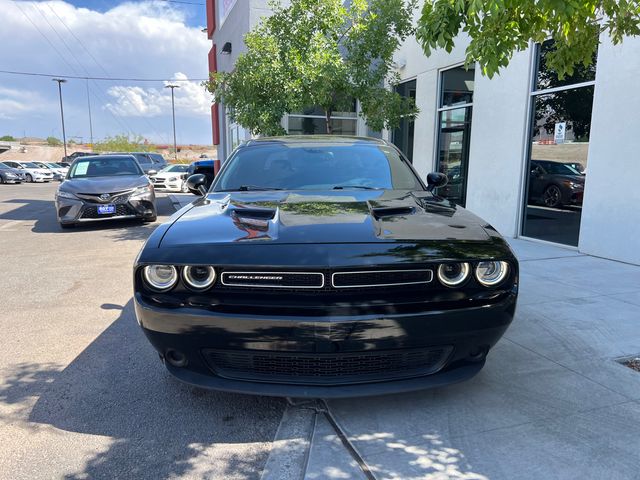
x=511 y=145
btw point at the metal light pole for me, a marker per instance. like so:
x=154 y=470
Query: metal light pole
x=90 y=122
x=64 y=135
x=173 y=113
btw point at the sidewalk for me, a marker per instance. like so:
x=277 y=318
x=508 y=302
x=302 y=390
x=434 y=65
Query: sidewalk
x=551 y=402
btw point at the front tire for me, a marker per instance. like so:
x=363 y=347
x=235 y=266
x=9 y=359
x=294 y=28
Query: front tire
x=552 y=196
x=29 y=178
x=185 y=188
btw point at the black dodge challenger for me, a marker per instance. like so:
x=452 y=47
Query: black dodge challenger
x=323 y=267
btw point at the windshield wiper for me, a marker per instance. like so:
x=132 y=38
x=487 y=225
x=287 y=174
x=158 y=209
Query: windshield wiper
x=364 y=187
x=246 y=188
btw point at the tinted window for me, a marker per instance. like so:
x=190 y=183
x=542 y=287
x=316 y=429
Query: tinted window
x=104 y=167
x=142 y=158
x=307 y=167
x=157 y=158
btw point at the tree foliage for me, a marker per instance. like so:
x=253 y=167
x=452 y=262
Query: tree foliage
x=53 y=142
x=498 y=28
x=7 y=138
x=123 y=143
x=319 y=53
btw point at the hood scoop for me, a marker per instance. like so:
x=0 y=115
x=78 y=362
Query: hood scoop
x=386 y=212
x=253 y=213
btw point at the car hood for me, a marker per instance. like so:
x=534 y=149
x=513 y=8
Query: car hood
x=352 y=216
x=104 y=184
x=168 y=174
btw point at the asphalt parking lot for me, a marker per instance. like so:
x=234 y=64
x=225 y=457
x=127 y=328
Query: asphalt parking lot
x=83 y=395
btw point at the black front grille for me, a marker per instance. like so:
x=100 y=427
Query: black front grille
x=380 y=278
x=121 y=211
x=289 y=280
x=326 y=368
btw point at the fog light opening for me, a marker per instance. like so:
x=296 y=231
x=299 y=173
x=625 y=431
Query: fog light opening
x=176 y=358
x=478 y=354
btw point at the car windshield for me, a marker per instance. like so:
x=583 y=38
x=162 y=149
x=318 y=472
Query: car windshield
x=556 y=168
x=317 y=167
x=30 y=165
x=52 y=165
x=174 y=168
x=142 y=158
x=104 y=167
x=4 y=165
x=156 y=157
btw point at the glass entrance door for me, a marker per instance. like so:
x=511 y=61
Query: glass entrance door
x=403 y=136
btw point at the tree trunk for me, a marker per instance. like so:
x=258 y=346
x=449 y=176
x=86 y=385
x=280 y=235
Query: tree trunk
x=328 y=122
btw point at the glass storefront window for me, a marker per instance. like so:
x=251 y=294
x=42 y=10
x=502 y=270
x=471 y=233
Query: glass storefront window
x=457 y=86
x=558 y=154
x=456 y=97
x=404 y=135
x=455 y=128
x=317 y=126
x=547 y=78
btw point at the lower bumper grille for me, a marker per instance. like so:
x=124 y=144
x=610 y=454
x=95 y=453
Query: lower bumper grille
x=121 y=211
x=326 y=369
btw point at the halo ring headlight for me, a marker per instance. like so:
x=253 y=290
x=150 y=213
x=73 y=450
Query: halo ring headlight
x=160 y=277
x=199 y=277
x=492 y=273
x=453 y=274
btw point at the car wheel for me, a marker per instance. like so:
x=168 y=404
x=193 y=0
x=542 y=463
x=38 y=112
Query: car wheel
x=552 y=196
x=29 y=178
x=1 y=179
x=185 y=188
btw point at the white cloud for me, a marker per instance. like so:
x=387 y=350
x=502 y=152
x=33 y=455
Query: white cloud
x=149 y=39
x=190 y=99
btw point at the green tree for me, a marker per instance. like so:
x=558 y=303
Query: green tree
x=123 y=143
x=319 y=53
x=53 y=142
x=498 y=28
x=7 y=138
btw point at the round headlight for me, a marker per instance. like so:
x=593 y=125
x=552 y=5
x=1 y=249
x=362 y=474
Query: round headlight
x=199 y=277
x=160 y=277
x=453 y=274
x=491 y=274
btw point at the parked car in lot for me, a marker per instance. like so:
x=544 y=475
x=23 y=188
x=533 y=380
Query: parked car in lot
x=172 y=178
x=555 y=184
x=32 y=172
x=323 y=267
x=70 y=158
x=58 y=172
x=204 y=167
x=151 y=163
x=10 y=175
x=105 y=187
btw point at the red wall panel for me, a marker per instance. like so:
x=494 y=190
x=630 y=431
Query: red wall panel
x=211 y=17
x=215 y=124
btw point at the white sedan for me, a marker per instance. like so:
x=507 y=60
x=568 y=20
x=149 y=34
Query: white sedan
x=171 y=178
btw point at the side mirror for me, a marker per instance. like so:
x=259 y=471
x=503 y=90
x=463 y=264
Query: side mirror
x=197 y=184
x=435 y=180
x=152 y=172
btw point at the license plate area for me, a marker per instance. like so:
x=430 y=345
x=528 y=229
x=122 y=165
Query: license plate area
x=106 y=209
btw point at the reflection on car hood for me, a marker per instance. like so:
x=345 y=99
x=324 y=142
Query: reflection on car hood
x=352 y=216
x=110 y=184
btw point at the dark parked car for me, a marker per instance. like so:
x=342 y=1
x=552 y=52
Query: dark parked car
x=555 y=184
x=151 y=163
x=70 y=158
x=10 y=175
x=204 y=167
x=105 y=187
x=323 y=267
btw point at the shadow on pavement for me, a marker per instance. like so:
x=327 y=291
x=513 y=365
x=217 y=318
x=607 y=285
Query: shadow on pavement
x=160 y=427
x=43 y=213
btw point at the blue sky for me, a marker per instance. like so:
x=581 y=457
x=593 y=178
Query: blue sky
x=150 y=40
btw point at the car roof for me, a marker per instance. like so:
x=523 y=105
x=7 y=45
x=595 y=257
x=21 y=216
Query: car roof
x=316 y=140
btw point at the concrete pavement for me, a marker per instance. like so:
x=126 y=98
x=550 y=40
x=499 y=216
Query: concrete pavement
x=82 y=394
